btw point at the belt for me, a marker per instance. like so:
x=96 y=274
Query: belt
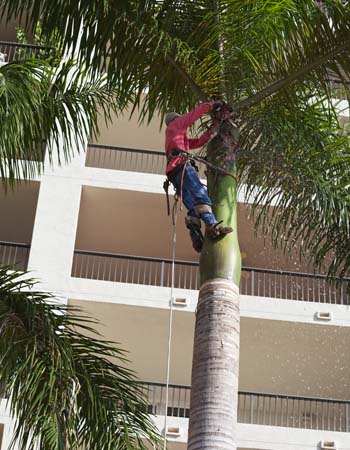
x=174 y=153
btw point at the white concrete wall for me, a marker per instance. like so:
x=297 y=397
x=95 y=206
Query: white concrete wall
x=7 y=422
x=159 y=297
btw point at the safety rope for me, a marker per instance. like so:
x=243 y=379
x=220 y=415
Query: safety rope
x=170 y=327
x=212 y=166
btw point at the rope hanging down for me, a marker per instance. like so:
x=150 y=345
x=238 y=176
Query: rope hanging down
x=170 y=328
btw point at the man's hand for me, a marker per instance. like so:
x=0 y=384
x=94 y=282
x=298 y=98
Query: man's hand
x=218 y=106
x=221 y=111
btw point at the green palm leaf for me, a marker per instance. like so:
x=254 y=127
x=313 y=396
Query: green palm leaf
x=67 y=390
x=43 y=108
x=298 y=159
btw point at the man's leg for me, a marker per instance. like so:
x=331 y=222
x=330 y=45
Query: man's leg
x=202 y=203
x=192 y=220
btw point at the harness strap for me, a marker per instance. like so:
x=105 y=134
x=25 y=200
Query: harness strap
x=166 y=185
x=190 y=157
x=182 y=181
x=212 y=166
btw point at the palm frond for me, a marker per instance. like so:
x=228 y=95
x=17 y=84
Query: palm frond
x=266 y=45
x=298 y=159
x=43 y=108
x=67 y=389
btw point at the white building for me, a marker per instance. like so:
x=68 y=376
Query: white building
x=96 y=232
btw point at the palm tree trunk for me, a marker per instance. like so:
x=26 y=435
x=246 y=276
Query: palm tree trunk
x=214 y=397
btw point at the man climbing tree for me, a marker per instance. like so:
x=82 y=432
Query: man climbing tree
x=266 y=57
x=182 y=173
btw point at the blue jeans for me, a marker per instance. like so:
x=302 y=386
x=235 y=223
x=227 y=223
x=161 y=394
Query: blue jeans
x=193 y=193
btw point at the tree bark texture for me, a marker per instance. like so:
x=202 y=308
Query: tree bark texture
x=214 y=394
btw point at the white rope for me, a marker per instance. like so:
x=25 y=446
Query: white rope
x=170 y=323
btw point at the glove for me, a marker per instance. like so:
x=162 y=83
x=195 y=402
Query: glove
x=218 y=106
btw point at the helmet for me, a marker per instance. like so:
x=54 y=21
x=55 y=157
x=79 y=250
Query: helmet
x=169 y=117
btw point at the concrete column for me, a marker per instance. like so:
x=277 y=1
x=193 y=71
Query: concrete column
x=55 y=225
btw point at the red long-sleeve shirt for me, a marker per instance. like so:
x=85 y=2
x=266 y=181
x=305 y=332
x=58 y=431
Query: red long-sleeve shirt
x=176 y=137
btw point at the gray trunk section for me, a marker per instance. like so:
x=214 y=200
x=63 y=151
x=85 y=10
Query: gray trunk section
x=214 y=396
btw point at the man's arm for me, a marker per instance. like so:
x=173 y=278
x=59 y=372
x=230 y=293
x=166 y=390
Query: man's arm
x=188 y=119
x=199 y=142
x=203 y=139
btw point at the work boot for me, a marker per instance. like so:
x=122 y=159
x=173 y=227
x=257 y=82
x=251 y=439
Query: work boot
x=194 y=225
x=197 y=244
x=196 y=238
x=216 y=230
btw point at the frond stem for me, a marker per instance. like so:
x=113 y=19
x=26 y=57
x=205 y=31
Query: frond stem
x=284 y=82
x=194 y=86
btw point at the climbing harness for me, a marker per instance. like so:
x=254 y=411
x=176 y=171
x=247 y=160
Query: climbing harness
x=192 y=159
x=212 y=166
x=189 y=159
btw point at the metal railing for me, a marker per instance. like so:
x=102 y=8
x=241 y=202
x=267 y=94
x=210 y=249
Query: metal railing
x=259 y=409
x=256 y=282
x=14 y=51
x=128 y=159
x=338 y=90
x=14 y=254
x=294 y=286
x=134 y=269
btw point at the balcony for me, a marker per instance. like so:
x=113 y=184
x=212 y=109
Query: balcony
x=14 y=254
x=122 y=158
x=128 y=159
x=258 y=282
x=309 y=413
x=18 y=209
x=14 y=51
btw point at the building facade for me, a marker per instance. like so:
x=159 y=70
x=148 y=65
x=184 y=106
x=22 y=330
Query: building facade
x=97 y=234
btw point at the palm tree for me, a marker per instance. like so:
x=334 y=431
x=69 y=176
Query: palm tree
x=68 y=388
x=272 y=60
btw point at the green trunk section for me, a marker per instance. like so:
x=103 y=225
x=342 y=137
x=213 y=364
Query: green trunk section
x=221 y=258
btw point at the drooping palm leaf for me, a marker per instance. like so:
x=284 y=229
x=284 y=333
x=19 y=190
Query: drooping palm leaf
x=298 y=160
x=43 y=108
x=262 y=41
x=67 y=390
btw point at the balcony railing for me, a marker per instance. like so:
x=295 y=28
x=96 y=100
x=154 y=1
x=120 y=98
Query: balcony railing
x=14 y=254
x=255 y=282
x=128 y=159
x=134 y=269
x=14 y=51
x=338 y=90
x=259 y=409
